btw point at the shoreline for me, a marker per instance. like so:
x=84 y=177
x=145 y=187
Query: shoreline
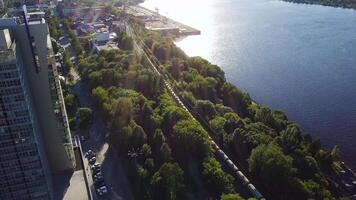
x=155 y=21
x=181 y=38
x=306 y=2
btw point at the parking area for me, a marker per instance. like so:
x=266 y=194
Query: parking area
x=95 y=176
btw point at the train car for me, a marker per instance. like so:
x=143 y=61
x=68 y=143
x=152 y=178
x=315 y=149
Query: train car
x=255 y=192
x=244 y=179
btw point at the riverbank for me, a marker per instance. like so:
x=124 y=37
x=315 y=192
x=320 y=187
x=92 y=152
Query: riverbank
x=154 y=21
x=332 y=3
x=256 y=73
x=302 y=64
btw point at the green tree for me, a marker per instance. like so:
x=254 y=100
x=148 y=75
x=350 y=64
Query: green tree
x=138 y=137
x=100 y=96
x=205 y=108
x=231 y=197
x=126 y=42
x=234 y=98
x=272 y=168
x=192 y=139
x=165 y=153
x=121 y=113
x=168 y=182
x=157 y=141
x=84 y=117
x=290 y=138
x=216 y=179
x=71 y=102
x=146 y=150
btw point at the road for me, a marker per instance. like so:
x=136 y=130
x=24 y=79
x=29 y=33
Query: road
x=114 y=174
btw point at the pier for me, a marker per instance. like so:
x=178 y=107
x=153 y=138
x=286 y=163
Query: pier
x=157 y=22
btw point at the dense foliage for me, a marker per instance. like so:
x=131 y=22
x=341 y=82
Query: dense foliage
x=77 y=47
x=333 y=3
x=159 y=140
x=282 y=161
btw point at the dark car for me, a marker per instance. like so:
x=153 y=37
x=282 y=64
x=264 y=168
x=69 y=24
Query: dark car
x=98 y=178
x=96 y=175
x=96 y=170
x=92 y=160
x=99 y=181
x=101 y=191
x=89 y=154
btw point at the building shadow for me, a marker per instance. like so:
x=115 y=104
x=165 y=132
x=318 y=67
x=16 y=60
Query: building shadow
x=61 y=183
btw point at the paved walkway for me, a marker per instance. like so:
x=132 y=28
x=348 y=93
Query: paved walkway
x=77 y=189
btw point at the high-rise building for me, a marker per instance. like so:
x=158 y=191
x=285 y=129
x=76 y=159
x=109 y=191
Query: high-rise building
x=35 y=140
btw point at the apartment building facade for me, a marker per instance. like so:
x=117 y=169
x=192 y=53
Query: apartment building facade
x=36 y=142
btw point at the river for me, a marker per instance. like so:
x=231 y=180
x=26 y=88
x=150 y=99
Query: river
x=294 y=57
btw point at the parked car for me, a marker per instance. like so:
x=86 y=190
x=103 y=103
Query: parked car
x=101 y=191
x=97 y=175
x=92 y=160
x=89 y=154
x=99 y=181
x=96 y=170
x=94 y=166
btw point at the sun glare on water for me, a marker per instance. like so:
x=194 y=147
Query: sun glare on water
x=198 y=14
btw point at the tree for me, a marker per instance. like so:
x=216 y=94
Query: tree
x=272 y=168
x=138 y=137
x=165 y=153
x=157 y=141
x=172 y=115
x=130 y=137
x=316 y=191
x=205 y=108
x=121 y=113
x=265 y=116
x=290 y=138
x=326 y=158
x=126 y=42
x=231 y=197
x=71 y=102
x=100 y=96
x=168 y=182
x=174 y=68
x=192 y=139
x=233 y=121
x=217 y=124
x=234 y=98
x=84 y=117
x=146 y=150
x=72 y=124
x=216 y=179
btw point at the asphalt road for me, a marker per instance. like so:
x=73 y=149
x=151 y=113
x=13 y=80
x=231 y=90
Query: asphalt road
x=114 y=174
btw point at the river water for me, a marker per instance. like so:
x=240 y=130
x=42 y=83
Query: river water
x=294 y=57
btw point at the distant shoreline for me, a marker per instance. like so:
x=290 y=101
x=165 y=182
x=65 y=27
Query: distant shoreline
x=330 y=3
